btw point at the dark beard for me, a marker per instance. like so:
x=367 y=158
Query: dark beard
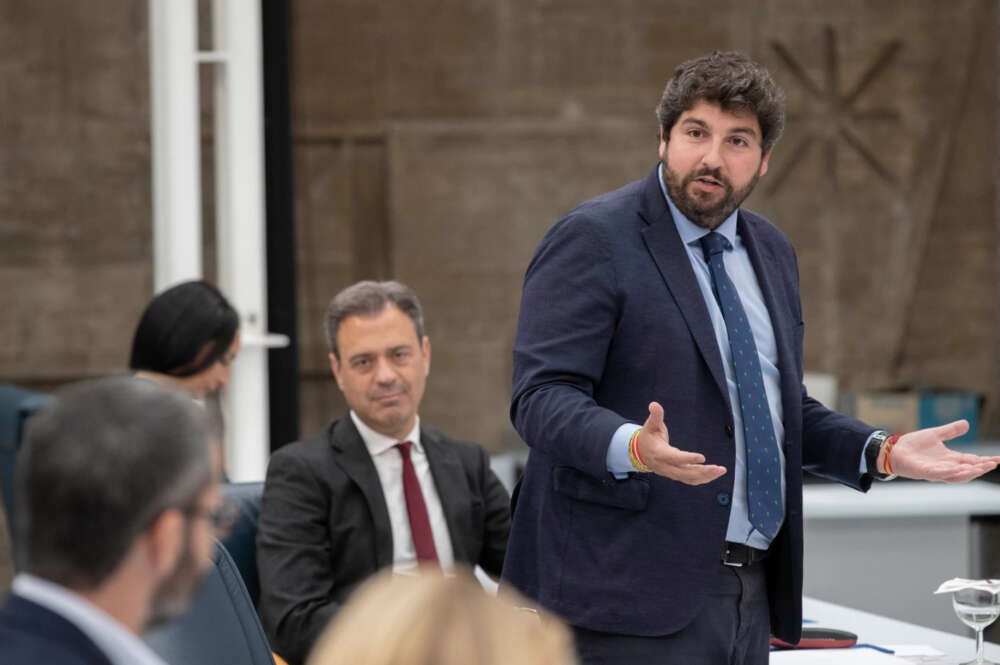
x=171 y=597
x=705 y=215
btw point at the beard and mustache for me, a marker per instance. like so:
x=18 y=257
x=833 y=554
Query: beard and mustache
x=174 y=593
x=705 y=211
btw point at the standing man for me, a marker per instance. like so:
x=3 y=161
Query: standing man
x=116 y=492
x=375 y=489
x=658 y=381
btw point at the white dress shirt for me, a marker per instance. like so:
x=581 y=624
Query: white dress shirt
x=389 y=465
x=120 y=645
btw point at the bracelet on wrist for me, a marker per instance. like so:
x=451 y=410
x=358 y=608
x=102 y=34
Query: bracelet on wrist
x=887 y=463
x=876 y=450
x=633 y=454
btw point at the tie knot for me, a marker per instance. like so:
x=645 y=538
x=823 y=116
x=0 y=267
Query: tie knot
x=713 y=243
x=404 y=448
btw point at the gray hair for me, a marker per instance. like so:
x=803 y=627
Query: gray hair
x=369 y=298
x=98 y=466
x=733 y=81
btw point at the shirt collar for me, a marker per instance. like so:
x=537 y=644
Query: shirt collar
x=377 y=443
x=120 y=645
x=689 y=231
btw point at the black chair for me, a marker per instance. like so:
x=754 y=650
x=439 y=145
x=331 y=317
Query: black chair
x=241 y=542
x=220 y=625
x=16 y=406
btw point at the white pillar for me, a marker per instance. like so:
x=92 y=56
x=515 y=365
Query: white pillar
x=175 y=142
x=239 y=163
x=240 y=228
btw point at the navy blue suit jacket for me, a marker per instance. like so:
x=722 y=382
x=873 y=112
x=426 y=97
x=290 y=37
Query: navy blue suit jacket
x=612 y=318
x=31 y=634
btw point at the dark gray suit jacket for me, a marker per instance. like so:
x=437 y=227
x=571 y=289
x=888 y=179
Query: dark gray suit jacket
x=324 y=526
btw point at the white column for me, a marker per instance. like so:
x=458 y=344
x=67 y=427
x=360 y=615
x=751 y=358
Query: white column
x=175 y=142
x=240 y=228
x=177 y=196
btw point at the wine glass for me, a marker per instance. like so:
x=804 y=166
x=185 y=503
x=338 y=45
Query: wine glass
x=977 y=609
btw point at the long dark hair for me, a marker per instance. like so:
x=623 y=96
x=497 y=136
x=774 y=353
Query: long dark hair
x=176 y=327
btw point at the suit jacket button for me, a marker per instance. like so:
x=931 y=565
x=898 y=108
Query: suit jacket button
x=729 y=431
x=722 y=498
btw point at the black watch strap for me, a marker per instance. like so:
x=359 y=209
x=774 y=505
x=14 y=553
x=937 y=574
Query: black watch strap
x=872 y=450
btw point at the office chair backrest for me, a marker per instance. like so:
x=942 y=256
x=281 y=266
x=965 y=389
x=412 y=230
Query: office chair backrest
x=241 y=542
x=16 y=406
x=220 y=625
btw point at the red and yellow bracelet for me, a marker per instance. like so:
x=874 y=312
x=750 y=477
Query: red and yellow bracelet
x=889 y=443
x=633 y=454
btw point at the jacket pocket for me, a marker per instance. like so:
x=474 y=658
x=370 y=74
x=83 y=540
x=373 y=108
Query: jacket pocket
x=629 y=494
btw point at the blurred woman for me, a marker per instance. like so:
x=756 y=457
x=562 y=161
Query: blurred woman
x=187 y=337
x=429 y=619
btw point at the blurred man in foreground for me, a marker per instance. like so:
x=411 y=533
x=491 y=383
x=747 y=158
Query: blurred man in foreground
x=116 y=495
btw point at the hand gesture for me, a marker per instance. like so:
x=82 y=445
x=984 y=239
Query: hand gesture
x=923 y=455
x=653 y=443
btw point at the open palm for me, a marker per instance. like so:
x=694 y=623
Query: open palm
x=922 y=455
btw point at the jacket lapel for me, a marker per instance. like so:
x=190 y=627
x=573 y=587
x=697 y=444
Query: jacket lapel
x=768 y=275
x=671 y=258
x=354 y=459
x=452 y=489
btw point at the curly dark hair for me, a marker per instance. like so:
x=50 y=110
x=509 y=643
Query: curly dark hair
x=733 y=81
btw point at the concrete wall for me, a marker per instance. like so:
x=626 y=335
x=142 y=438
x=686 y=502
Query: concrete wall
x=75 y=217
x=438 y=146
x=435 y=142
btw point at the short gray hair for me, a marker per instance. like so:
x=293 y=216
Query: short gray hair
x=369 y=298
x=98 y=466
x=734 y=82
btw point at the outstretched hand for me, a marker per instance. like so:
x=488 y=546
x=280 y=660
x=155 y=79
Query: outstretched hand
x=654 y=447
x=923 y=455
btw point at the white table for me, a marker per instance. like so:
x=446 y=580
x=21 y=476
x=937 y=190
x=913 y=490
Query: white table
x=888 y=550
x=880 y=630
x=901 y=499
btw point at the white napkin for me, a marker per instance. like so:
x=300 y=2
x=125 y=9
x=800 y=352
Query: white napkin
x=957 y=584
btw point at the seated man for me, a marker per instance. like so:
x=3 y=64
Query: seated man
x=376 y=488
x=117 y=490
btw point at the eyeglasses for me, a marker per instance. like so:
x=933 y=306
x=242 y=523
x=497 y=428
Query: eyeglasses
x=221 y=517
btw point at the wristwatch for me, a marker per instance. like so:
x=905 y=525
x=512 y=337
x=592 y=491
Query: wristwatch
x=872 y=450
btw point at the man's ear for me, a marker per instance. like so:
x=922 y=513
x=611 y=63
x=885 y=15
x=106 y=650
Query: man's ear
x=165 y=541
x=763 y=163
x=426 y=347
x=662 y=150
x=335 y=368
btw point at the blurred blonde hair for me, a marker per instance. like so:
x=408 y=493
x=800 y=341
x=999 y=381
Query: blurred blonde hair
x=429 y=619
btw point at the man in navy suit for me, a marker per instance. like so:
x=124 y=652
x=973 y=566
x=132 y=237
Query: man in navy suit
x=658 y=382
x=117 y=491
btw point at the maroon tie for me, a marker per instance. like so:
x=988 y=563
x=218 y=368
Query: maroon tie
x=420 y=525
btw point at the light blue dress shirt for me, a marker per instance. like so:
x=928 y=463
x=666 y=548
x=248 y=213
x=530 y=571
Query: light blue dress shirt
x=741 y=272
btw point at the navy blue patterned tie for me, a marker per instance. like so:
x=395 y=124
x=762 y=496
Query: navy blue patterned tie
x=763 y=465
